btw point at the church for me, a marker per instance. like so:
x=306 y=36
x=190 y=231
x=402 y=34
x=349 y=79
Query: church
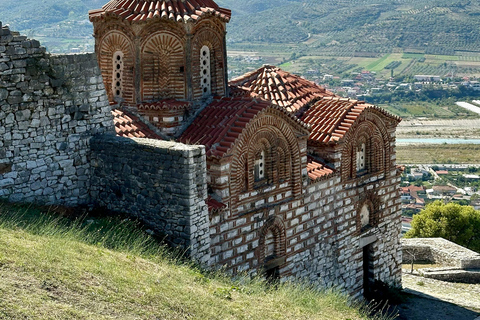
x=301 y=183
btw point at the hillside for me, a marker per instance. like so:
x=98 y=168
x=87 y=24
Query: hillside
x=329 y=26
x=369 y=26
x=108 y=269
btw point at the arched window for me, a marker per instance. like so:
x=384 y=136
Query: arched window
x=364 y=216
x=361 y=157
x=205 y=76
x=270 y=246
x=260 y=166
x=117 y=77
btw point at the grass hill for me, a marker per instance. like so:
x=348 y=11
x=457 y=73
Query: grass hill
x=52 y=268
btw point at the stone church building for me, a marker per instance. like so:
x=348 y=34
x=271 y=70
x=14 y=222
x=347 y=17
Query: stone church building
x=301 y=183
x=267 y=174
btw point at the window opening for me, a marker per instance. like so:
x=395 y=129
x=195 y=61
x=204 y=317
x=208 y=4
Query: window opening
x=269 y=246
x=205 y=77
x=260 y=166
x=364 y=216
x=361 y=157
x=117 y=77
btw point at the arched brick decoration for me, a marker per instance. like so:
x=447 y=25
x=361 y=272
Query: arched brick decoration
x=272 y=127
x=372 y=202
x=273 y=226
x=163 y=64
x=210 y=37
x=109 y=44
x=371 y=130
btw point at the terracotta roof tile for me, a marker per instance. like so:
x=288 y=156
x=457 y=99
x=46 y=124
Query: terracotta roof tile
x=317 y=171
x=282 y=88
x=330 y=118
x=130 y=126
x=214 y=205
x=143 y=10
x=221 y=122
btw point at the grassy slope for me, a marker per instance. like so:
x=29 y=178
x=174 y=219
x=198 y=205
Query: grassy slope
x=51 y=272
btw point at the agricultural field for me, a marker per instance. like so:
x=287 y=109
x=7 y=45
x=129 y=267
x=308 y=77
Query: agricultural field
x=439 y=153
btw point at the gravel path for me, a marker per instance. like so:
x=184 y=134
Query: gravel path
x=439 y=300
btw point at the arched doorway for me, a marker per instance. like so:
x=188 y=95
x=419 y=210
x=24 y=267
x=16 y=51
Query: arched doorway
x=272 y=248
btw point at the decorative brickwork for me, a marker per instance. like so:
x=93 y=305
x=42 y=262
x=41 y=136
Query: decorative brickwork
x=112 y=44
x=212 y=37
x=289 y=180
x=163 y=60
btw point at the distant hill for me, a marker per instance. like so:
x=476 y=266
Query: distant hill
x=430 y=26
x=335 y=26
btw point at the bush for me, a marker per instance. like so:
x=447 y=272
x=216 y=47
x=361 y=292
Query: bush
x=452 y=221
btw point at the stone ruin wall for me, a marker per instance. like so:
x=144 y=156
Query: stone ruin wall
x=50 y=106
x=162 y=183
x=58 y=147
x=439 y=251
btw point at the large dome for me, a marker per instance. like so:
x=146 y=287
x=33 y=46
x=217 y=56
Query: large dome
x=177 y=10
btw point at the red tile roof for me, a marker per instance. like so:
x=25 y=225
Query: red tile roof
x=317 y=171
x=282 y=88
x=218 y=126
x=331 y=117
x=214 y=205
x=143 y=10
x=130 y=126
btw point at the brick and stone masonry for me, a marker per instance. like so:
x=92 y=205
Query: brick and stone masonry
x=340 y=229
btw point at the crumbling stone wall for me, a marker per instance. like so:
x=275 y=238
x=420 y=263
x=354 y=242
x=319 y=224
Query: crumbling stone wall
x=50 y=106
x=160 y=182
x=439 y=251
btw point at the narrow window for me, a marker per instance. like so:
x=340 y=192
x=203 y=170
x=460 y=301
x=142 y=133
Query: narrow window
x=269 y=246
x=117 y=77
x=260 y=166
x=361 y=157
x=364 y=216
x=205 y=71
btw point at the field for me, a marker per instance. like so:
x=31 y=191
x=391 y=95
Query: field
x=441 y=154
x=302 y=60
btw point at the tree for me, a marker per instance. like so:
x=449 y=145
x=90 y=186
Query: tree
x=454 y=222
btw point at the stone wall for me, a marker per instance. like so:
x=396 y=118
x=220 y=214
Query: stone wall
x=162 y=183
x=440 y=251
x=50 y=106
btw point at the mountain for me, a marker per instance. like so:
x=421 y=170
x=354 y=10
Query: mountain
x=437 y=26
x=336 y=26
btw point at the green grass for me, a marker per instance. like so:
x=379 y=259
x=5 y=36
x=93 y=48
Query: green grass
x=53 y=268
x=412 y=55
x=420 y=109
x=380 y=63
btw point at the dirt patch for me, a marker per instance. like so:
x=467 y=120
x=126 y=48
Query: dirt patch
x=430 y=299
